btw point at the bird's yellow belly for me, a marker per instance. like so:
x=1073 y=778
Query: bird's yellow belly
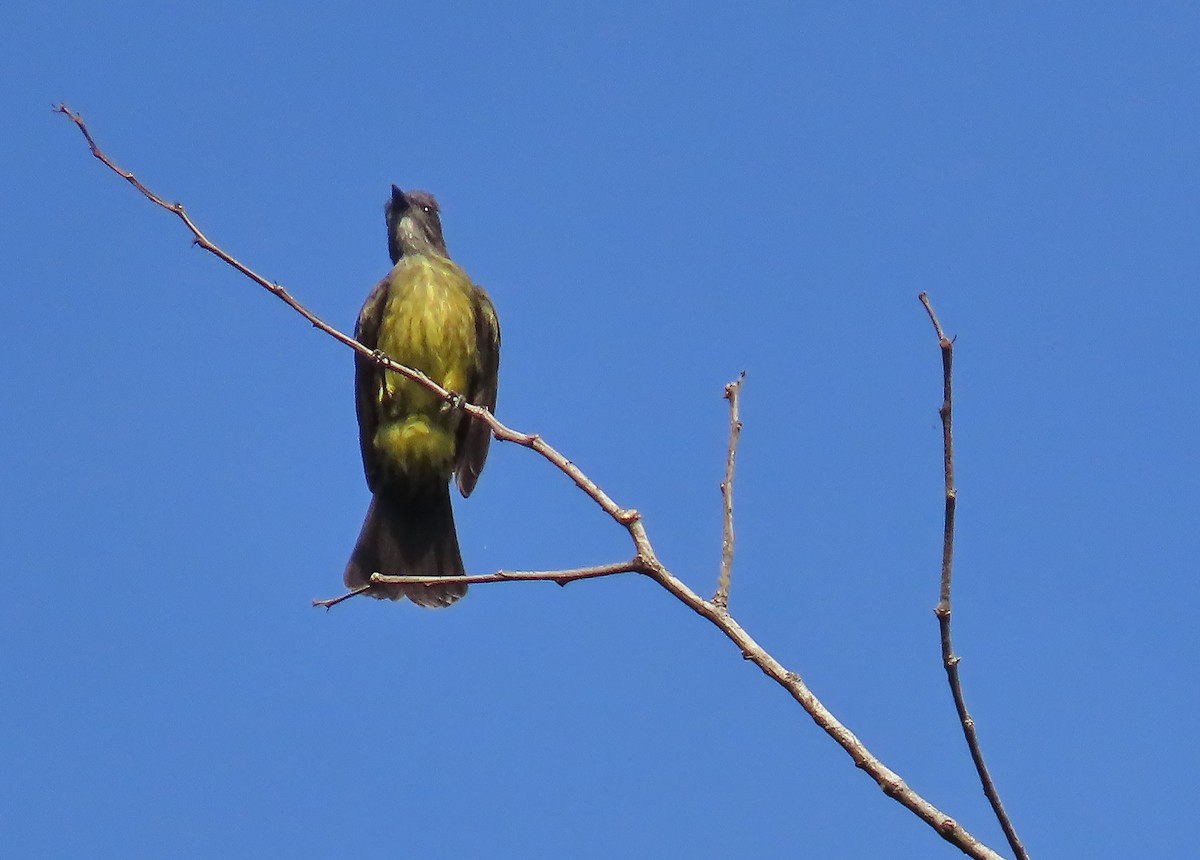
x=428 y=324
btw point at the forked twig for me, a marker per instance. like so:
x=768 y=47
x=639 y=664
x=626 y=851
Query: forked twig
x=645 y=560
x=949 y=659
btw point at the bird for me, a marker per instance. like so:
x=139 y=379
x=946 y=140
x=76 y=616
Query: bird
x=426 y=314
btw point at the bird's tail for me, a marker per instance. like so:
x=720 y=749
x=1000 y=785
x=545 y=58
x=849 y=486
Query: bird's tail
x=409 y=535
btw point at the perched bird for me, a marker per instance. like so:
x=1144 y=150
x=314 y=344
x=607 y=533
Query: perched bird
x=426 y=314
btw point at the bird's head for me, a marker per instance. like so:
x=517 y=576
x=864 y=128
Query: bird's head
x=413 y=224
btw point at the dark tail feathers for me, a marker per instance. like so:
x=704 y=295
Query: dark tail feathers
x=409 y=536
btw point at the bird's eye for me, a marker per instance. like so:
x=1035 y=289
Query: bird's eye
x=426 y=208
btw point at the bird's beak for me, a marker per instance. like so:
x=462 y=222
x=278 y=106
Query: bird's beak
x=399 y=201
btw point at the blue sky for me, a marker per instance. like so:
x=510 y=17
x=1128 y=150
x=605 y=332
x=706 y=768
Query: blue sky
x=656 y=200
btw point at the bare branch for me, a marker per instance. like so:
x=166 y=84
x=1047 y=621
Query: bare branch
x=949 y=659
x=645 y=560
x=331 y=602
x=500 y=431
x=732 y=393
x=562 y=577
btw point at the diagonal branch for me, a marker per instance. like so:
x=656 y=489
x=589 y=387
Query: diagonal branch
x=732 y=393
x=330 y=602
x=501 y=432
x=645 y=560
x=949 y=659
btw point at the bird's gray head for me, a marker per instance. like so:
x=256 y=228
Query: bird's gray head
x=413 y=224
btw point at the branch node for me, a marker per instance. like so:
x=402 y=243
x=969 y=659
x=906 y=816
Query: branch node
x=644 y=564
x=627 y=516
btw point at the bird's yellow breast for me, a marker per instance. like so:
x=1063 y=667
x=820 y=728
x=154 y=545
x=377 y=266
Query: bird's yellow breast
x=428 y=323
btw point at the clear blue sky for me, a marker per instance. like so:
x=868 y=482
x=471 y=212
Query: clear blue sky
x=656 y=199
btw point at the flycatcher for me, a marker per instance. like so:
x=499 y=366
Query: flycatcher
x=428 y=315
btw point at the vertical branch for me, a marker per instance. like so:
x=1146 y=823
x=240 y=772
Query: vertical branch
x=732 y=392
x=949 y=659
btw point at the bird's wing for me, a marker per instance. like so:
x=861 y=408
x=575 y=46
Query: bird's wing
x=368 y=378
x=473 y=435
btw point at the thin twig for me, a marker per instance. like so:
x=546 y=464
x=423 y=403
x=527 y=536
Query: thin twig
x=949 y=659
x=562 y=577
x=732 y=393
x=645 y=560
x=331 y=602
